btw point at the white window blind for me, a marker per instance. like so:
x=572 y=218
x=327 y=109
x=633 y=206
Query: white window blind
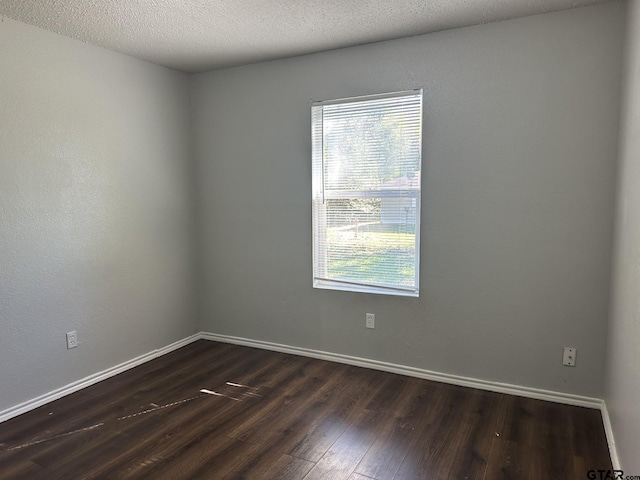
x=366 y=193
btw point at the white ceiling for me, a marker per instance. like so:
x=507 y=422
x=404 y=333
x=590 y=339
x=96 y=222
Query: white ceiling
x=201 y=35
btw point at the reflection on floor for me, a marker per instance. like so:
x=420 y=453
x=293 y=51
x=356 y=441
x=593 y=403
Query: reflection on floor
x=218 y=411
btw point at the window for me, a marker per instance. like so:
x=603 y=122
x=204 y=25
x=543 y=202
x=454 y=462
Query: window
x=366 y=193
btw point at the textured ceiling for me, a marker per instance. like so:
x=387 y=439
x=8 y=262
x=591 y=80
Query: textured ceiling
x=201 y=35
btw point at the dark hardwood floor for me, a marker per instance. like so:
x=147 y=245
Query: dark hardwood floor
x=217 y=411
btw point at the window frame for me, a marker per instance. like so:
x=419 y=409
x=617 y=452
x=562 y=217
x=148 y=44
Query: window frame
x=320 y=195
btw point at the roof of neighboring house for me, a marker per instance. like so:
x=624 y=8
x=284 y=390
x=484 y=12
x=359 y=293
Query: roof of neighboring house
x=403 y=182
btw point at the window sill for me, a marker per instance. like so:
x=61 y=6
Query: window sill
x=353 y=287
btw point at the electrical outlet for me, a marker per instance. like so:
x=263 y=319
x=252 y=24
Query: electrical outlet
x=569 y=356
x=72 y=340
x=371 y=320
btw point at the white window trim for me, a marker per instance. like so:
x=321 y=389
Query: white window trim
x=319 y=195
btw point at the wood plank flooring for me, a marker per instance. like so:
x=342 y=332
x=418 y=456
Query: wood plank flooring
x=217 y=411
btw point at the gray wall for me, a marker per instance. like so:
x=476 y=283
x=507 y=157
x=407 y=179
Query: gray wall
x=96 y=217
x=520 y=140
x=622 y=393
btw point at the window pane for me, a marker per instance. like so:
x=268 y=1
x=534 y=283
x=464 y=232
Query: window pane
x=363 y=248
x=365 y=147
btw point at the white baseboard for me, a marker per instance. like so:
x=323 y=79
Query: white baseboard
x=536 y=393
x=608 y=430
x=91 y=379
